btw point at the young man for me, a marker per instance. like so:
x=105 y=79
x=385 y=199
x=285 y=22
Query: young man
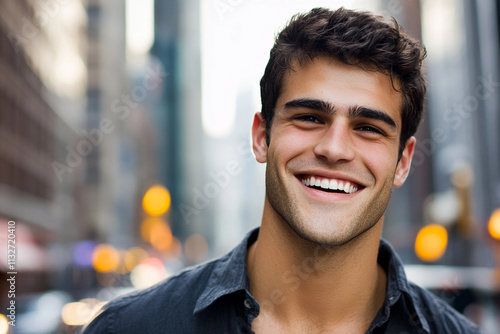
x=342 y=96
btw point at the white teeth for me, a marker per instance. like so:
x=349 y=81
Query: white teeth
x=332 y=184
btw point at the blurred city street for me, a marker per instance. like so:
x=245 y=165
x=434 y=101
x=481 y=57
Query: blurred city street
x=125 y=151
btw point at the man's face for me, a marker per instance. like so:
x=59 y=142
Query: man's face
x=333 y=155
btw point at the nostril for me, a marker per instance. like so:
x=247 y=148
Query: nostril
x=334 y=146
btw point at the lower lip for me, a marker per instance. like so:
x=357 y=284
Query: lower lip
x=327 y=196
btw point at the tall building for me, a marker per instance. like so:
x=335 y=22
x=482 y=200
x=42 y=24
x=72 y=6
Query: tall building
x=41 y=106
x=108 y=172
x=463 y=113
x=180 y=148
x=207 y=199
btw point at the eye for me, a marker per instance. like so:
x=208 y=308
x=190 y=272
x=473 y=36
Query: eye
x=308 y=119
x=369 y=129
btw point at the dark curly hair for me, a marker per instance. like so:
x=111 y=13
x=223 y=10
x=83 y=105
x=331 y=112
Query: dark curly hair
x=362 y=39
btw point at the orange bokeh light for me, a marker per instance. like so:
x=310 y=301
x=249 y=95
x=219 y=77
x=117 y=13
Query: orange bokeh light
x=105 y=258
x=494 y=224
x=147 y=226
x=156 y=201
x=161 y=236
x=431 y=242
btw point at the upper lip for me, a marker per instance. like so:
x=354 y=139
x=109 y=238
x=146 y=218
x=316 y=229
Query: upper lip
x=330 y=175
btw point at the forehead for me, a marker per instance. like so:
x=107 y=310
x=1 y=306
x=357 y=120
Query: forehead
x=341 y=85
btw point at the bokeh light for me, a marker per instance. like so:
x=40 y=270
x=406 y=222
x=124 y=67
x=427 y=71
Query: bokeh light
x=149 y=272
x=81 y=312
x=82 y=253
x=105 y=258
x=96 y=310
x=156 y=201
x=161 y=236
x=147 y=225
x=76 y=314
x=134 y=256
x=4 y=324
x=98 y=307
x=431 y=242
x=196 y=248
x=494 y=224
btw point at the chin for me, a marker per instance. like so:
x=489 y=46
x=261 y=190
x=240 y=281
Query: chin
x=324 y=237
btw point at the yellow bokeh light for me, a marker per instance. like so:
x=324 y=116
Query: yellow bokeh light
x=431 y=242
x=494 y=224
x=105 y=258
x=76 y=314
x=196 y=248
x=156 y=201
x=4 y=324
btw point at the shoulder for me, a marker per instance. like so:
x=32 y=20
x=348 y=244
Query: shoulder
x=441 y=317
x=171 y=301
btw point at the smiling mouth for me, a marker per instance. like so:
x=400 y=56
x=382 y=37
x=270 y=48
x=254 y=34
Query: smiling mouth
x=330 y=185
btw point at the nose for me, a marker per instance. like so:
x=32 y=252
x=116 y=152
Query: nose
x=336 y=144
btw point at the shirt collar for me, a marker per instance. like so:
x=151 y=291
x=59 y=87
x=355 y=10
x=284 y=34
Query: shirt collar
x=230 y=275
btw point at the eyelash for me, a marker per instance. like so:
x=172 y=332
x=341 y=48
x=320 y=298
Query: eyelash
x=308 y=118
x=369 y=128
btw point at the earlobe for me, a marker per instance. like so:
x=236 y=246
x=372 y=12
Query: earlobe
x=259 y=144
x=403 y=168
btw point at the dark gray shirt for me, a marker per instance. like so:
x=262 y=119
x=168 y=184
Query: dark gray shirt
x=215 y=298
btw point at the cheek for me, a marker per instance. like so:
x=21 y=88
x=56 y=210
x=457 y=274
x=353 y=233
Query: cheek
x=290 y=143
x=379 y=160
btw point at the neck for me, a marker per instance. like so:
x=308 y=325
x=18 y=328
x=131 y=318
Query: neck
x=328 y=286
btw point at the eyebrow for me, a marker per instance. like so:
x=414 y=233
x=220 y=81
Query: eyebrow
x=328 y=108
x=358 y=111
x=314 y=104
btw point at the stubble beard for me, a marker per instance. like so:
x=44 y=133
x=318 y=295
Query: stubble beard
x=286 y=205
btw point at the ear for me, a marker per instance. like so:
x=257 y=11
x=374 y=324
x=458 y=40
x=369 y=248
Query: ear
x=259 y=144
x=404 y=163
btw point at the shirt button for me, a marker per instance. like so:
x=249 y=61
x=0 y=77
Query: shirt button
x=248 y=304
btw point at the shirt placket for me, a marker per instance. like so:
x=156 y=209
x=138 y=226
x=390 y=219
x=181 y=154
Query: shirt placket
x=250 y=310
